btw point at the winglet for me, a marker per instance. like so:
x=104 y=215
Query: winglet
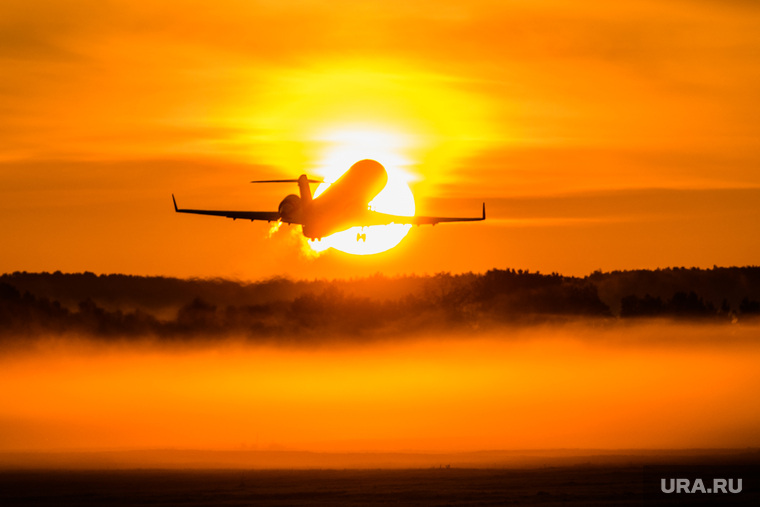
x=484 y=211
x=175 y=203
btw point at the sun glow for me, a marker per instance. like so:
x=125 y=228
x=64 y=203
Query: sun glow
x=322 y=119
x=344 y=147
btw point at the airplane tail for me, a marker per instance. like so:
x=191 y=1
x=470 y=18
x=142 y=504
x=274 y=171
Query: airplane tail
x=303 y=185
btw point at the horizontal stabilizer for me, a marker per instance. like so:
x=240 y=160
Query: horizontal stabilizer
x=287 y=181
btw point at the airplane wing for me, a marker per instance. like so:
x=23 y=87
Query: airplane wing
x=384 y=219
x=269 y=216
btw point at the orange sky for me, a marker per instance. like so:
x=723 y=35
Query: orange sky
x=601 y=136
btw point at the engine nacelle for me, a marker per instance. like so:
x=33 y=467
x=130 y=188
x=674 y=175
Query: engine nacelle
x=290 y=209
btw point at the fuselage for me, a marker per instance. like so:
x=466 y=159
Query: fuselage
x=341 y=206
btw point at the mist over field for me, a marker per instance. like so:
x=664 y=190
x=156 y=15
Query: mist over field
x=500 y=361
x=647 y=385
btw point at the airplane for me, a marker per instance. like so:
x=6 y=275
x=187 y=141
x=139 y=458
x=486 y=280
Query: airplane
x=343 y=205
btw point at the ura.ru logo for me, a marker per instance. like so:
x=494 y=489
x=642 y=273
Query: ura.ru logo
x=698 y=486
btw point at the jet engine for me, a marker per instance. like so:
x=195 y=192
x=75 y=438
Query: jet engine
x=290 y=209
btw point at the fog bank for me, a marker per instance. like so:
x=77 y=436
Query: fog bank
x=653 y=385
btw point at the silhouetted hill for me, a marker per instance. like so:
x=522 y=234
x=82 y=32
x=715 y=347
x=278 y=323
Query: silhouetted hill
x=33 y=304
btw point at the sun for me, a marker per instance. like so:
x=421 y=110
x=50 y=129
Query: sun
x=343 y=147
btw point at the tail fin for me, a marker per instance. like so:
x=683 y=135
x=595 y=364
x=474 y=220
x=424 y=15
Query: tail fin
x=303 y=186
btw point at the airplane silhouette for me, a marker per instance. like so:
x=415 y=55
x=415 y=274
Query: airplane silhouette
x=343 y=205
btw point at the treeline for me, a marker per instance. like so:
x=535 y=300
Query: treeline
x=731 y=289
x=447 y=302
x=33 y=304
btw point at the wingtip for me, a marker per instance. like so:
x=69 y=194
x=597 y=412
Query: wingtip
x=175 y=203
x=484 y=211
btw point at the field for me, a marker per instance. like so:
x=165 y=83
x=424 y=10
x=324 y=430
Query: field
x=621 y=480
x=550 y=486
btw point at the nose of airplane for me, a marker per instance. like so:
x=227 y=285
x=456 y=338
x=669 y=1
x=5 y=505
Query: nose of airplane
x=368 y=165
x=369 y=170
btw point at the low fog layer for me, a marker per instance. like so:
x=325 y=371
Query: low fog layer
x=641 y=385
x=43 y=304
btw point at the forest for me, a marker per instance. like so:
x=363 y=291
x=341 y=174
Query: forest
x=125 y=306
